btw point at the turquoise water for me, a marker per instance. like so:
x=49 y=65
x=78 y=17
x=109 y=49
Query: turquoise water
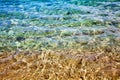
x=48 y=24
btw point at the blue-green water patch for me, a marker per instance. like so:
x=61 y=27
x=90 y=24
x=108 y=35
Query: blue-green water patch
x=35 y=25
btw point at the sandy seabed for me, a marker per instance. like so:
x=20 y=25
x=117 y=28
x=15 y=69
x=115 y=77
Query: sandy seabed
x=61 y=65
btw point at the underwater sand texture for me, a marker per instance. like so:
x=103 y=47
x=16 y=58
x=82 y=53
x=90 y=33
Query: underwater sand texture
x=61 y=65
x=59 y=40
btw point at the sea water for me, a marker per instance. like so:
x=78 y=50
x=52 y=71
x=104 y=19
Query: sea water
x=49 y=24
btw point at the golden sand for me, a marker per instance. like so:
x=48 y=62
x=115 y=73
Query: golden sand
x=60 y=65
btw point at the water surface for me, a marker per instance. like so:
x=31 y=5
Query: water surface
x=48 y=24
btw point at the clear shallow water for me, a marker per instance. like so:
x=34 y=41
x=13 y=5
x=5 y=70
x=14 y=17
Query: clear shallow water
x=61 y=24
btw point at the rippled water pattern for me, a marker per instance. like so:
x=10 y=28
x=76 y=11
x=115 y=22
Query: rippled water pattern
x=33 y=24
